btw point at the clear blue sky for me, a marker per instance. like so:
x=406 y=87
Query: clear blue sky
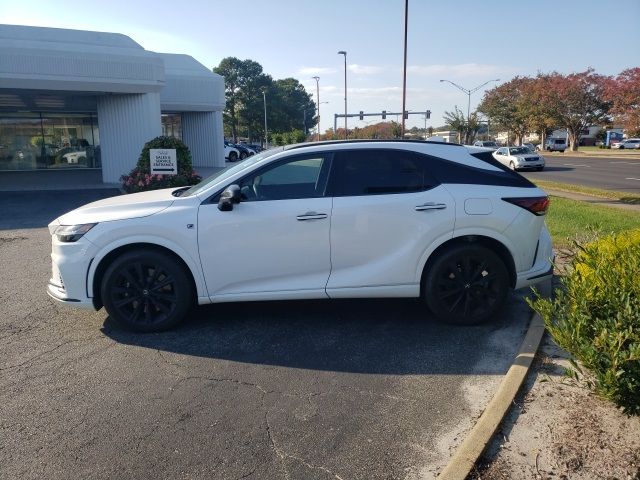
x=466 y=41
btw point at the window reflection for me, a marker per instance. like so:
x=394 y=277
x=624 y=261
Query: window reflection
x=172 y=125
x=33 y=141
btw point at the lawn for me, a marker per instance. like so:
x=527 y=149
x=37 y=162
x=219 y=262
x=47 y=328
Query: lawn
x=570 y=219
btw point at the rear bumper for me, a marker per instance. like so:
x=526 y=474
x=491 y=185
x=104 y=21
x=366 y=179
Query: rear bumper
x=542 y=268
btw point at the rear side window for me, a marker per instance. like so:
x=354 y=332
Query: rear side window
x=379 y=172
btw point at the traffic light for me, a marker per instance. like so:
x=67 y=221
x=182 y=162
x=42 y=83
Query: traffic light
x=361 y=115
x=384 y=114
x=428 y=114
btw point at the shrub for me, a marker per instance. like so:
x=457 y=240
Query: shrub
x=140 y=178
x=595 y=316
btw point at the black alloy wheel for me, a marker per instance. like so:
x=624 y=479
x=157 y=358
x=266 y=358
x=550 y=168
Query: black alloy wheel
x=233 y=156
x=243 y=155
x=146 y=291
x=466 y=285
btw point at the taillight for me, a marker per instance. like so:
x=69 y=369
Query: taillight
x=536 y=205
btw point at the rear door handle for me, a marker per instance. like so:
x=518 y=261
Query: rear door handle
x=431 y=206
x=311 y=216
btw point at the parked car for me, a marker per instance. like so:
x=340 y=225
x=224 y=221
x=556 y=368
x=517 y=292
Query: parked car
x=519 y=158
x=243 y=149
x=530 y=146
x=554 y=145
x=231 y=153
x=630 y=143
x=485 y=144
x=442 y=222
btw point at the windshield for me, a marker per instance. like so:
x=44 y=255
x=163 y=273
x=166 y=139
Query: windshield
x=227 y=172
x=519 y=151
x=490 y=144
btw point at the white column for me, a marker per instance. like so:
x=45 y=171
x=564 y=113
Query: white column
x=201 y=133
x=126 y=122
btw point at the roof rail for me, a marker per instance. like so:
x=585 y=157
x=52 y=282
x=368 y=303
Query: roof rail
x=364 y=140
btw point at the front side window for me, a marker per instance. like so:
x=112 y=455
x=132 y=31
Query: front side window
x=299 y=178
x=379 y=172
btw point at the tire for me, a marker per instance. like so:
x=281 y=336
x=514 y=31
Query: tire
x=512 y=166
x=621 y=147
x=146 y=291
x=539 y=169
x=466 y=285
x=243 y=155
x=233 y=156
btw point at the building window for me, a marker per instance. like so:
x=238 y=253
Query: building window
x=34 y=141
x=172 y=125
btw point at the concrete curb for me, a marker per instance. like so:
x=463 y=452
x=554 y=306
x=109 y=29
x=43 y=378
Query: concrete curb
x=467 y=454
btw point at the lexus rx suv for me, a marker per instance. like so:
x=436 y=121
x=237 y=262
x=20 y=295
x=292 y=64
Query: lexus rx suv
x=443 y=222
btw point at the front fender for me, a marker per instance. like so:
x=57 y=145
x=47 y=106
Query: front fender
x=192 y=263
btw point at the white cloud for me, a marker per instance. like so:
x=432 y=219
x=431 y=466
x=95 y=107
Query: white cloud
x=461 y=70
x=316 y=70
x=364 y=69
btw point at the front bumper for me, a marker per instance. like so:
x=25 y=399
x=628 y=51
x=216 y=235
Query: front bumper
x=70 y=262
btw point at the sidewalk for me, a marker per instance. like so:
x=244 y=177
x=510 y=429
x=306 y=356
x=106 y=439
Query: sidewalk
x=605 y=202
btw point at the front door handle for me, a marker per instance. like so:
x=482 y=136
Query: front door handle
x=311 y=216
x=431 y=206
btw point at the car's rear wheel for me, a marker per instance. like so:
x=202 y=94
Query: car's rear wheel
x=233 y=156
x=243 y=155
x=466 y=285
x=146 y=291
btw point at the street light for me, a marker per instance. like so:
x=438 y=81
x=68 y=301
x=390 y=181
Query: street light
x=469 y=92
x=266 y=136
x=317 y=79
x=342 y=52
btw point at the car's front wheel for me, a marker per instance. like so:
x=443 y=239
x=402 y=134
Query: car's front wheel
x=466 y=285
x=512 y=166
x=146 y=291
x=243 y=155
x=233 y=156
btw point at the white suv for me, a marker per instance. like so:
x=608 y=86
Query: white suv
x=328 y=220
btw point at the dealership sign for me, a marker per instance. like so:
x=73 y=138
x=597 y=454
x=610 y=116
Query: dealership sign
x=163 y=161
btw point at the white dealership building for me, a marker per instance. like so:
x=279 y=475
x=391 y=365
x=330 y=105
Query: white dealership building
x=76 y=107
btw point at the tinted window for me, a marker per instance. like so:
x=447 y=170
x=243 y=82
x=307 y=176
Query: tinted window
x=299 y=178
x=379 y=172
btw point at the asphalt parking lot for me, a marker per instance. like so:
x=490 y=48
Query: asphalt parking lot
x=311 y=390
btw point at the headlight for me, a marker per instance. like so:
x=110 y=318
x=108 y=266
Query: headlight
x=73 y=233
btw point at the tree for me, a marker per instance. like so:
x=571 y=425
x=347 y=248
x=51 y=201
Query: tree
x=467 y=128
x=243 y=81
x=623 y=92
x=290 y=103
x=579 y=102
x=508 y=104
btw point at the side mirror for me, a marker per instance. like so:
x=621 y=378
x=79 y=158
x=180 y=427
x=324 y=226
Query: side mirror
x=229 y=196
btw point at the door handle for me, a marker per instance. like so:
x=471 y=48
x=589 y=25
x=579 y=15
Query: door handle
x=311 y=216
x=430 y=206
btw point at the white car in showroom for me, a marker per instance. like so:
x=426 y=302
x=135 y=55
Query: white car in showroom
x=519 y=158
x=439 y=221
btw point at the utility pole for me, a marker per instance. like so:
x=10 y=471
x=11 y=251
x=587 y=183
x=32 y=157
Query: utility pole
x=343 y=52
x=266 y=135
x=404 y=71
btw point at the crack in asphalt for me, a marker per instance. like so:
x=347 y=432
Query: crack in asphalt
x=28 y=328
x=282 y=455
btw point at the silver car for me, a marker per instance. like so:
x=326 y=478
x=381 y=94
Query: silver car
x=519 y=158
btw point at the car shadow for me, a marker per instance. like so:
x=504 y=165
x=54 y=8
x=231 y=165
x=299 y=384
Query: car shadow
x=374 y=336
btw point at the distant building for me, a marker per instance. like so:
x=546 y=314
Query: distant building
x=76 y=106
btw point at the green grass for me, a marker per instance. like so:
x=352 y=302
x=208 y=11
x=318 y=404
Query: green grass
x=570 y=220
x=623 y=197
